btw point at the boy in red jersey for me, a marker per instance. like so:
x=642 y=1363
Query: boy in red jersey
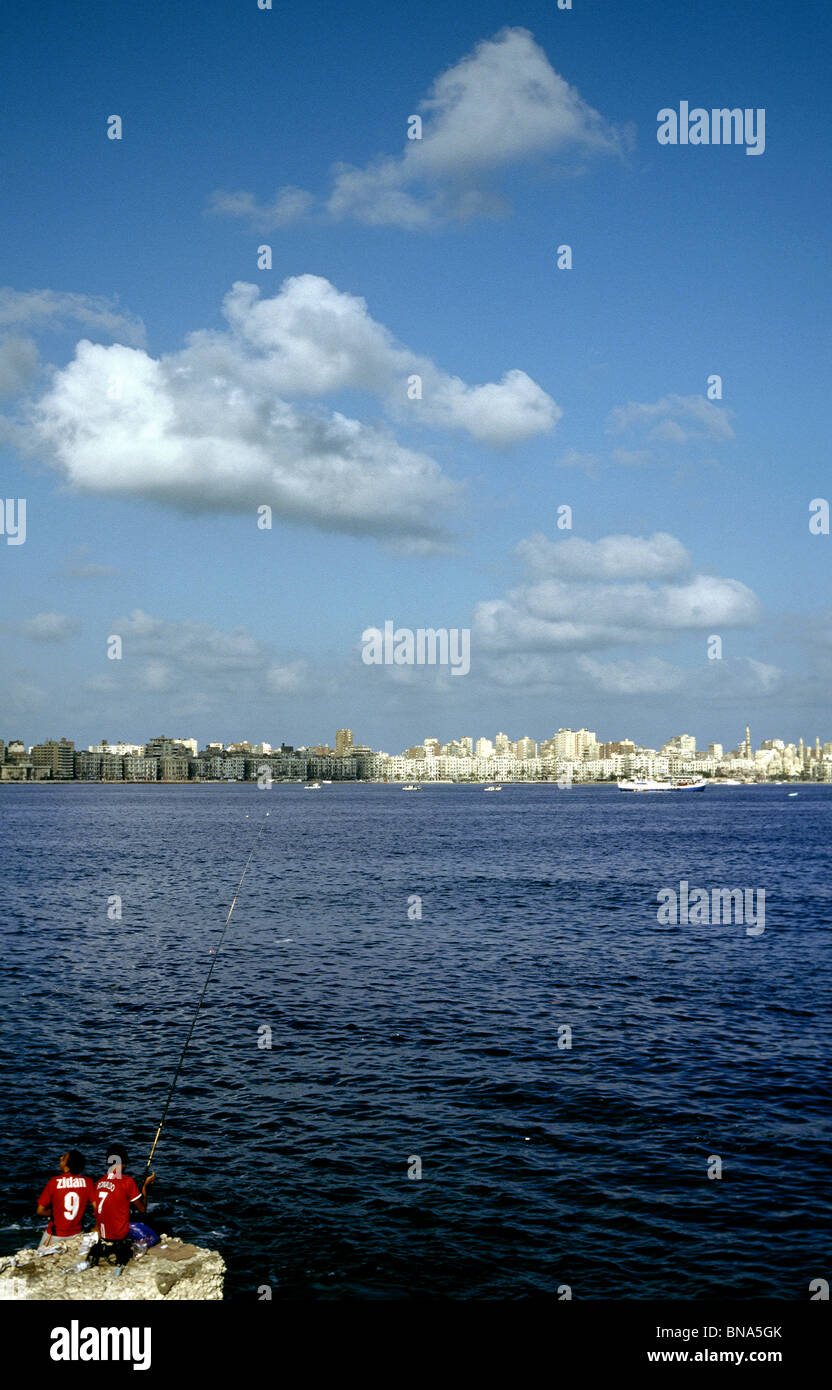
x=67 y=1194
x=115 y=1194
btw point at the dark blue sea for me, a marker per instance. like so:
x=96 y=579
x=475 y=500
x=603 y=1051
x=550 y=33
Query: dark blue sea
x=395 y=1037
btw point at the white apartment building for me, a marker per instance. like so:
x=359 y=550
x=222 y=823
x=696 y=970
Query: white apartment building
x=458 y=748
x=526 y=748
x=572 y=743
x=680 y=744
x=652 y=765
x=451 y=768
x=120 y=749
x=396 y=767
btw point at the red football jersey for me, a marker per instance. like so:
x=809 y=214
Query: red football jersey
x=69 y=1195
x=112 y=1207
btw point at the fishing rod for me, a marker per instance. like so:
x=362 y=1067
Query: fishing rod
x=201 y=997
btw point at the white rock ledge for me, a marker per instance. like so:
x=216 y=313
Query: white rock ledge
x=169 y=1271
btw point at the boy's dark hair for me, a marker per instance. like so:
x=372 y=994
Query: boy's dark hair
x=76 y=1162
x=116 y=1151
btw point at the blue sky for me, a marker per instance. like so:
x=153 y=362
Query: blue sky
x=392 y=257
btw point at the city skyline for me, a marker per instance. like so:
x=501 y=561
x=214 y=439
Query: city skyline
x=330 y=376
x=473 y=740
x=572 y=752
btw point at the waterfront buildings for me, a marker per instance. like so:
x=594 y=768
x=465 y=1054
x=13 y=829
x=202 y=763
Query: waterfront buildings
x=53 y=758
x=138 y=768
x=569 y=755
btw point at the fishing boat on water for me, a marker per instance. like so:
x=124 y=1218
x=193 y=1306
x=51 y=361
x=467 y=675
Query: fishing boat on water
x=647 y=784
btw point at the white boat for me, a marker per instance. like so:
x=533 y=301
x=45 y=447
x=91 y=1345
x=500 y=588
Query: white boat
x=411 y=787
x=728 y=782
x=312 y=787
x=792 y=793
x=492 y=789
x=646 y=784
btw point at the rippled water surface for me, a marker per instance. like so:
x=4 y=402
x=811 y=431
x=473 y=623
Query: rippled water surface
x=438 y=1038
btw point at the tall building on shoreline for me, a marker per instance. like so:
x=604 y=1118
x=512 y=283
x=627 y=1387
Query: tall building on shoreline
x=56 y=758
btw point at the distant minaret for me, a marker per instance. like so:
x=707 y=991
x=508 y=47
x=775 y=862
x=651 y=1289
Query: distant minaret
x=748 y=740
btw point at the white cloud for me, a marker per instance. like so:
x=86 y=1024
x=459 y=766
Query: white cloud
x=289 y=205
x=674 y=420
x=204 y=444
x=43 y=309
x=188 y=656
x=585 y=596
x=677 y=430
x=500 y=413
x=209 y=428
x=18 y=365
x=102 y=684
x=573 y=458
x=659 y=556
x=767 y=676
x=500 y=106
x=743 y=678
x=289 y=678
x=157 y=675
x=648 y=676
x=49 y=627
x=22 y=697
x=316 y=339
x=577 y=679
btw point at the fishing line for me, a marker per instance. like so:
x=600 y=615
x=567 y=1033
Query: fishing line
x=202 y=996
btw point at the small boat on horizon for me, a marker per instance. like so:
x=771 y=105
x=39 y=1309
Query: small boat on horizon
x=312 y=787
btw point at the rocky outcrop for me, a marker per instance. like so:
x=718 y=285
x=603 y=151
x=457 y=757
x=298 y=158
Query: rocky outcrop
x=170 y=1271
